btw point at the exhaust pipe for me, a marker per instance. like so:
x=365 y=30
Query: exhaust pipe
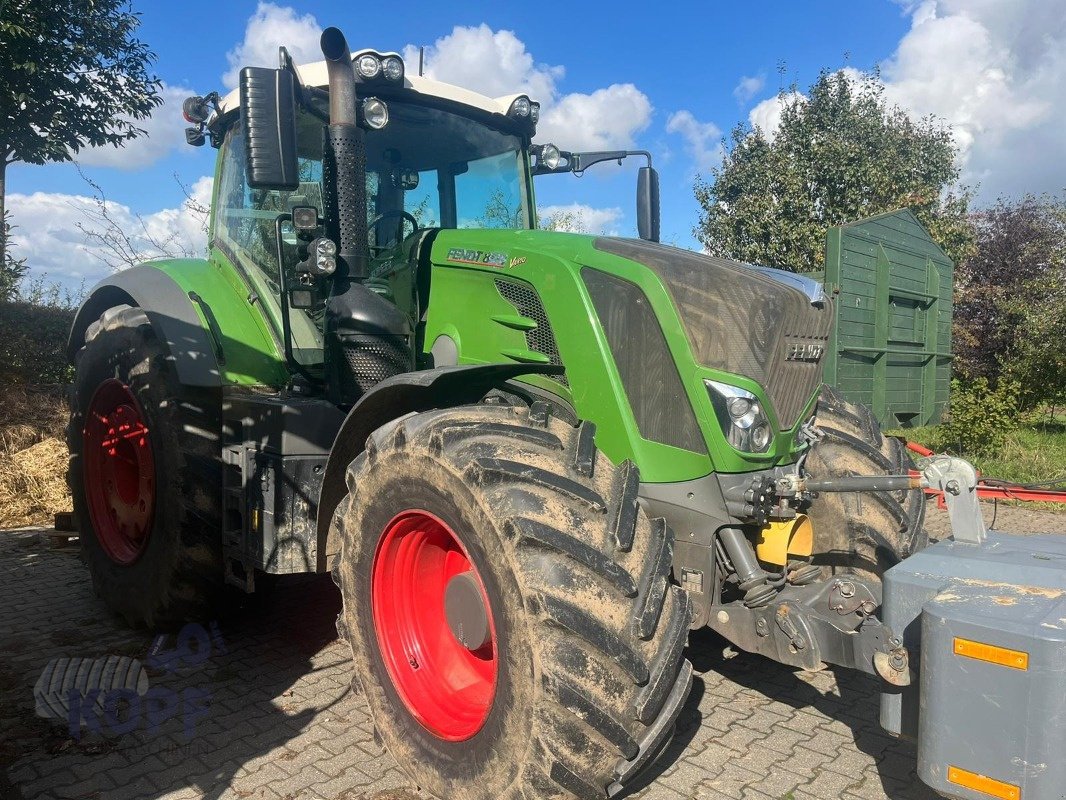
x=367 y=338
x=346 y=160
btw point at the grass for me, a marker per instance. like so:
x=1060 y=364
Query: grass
x=1035 y=452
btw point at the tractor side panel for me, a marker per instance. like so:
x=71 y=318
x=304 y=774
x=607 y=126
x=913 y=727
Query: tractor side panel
x=246 y=349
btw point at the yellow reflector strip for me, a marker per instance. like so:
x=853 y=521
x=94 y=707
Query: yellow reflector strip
x=1015 y=659
x=982 y=783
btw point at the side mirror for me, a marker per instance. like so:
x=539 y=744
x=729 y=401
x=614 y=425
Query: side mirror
x=268 y=113
x=648 y=204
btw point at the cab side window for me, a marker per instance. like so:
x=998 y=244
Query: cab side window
x=245 y=217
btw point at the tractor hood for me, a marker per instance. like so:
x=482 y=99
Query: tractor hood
x=770 y=326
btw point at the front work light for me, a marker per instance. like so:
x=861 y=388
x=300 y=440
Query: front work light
x=368 y=66
x=376 y=113
x=392 y=68
x=521 y=107
x=741 y=417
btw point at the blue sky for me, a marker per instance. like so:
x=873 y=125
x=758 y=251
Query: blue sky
x=672 y=78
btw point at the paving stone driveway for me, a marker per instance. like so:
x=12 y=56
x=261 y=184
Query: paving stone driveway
x=258 y=706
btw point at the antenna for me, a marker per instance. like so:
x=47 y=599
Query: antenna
x=421 y=59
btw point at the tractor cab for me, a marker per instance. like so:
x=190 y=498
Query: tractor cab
x=431 y=157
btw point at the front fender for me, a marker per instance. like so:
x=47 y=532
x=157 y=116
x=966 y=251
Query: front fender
x=443 y=387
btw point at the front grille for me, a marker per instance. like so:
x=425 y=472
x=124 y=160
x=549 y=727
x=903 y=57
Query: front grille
x=540 y=339
x=649 y=375
x=739 y=320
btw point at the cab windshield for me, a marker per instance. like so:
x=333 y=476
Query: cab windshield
x=446 y=171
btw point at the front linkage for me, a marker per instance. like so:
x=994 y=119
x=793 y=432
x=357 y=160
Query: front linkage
x=807 y=623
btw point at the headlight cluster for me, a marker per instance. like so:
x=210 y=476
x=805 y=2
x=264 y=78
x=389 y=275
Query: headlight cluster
x=742 y=417
x=371 y=66
x=524 y=108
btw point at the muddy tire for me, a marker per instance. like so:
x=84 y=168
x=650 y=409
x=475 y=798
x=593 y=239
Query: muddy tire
x=145 y=475
x=578 y=678
x=862 y=533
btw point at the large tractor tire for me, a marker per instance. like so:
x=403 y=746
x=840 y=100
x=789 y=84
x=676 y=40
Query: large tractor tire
x=863 y=533
x=144 y=475
x=508 y=605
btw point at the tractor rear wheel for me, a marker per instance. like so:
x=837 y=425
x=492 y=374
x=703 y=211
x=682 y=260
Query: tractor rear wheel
x=863 y=533
x=144 y=476
x=508 y=605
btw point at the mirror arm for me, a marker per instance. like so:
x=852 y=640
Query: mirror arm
x=577 y=163
x=286 y=325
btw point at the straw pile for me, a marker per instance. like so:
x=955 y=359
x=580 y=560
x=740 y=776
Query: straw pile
x=33 y=455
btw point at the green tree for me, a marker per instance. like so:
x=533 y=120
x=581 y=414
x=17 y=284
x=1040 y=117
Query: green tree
x=1010 y=299
x=840 y=154
x=72 y=75
x=12 y=270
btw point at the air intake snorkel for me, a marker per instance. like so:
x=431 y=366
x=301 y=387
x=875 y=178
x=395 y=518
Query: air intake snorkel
x=367 y=338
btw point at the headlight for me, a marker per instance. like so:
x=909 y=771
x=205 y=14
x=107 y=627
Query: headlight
x=520 y=107
x=376 y=113
x=742 y=417
x=392 y=67
x=368 y=66
x=534 y=112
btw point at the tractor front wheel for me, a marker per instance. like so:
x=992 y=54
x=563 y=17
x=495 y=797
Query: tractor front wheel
x=863 y=533
x=508 y=606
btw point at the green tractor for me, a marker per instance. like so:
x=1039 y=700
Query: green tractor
x=532 y=460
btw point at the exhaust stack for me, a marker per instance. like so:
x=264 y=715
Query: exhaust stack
x=367 y=338
x=346 y=160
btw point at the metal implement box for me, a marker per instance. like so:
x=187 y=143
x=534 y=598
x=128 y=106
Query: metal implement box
x=891 y=344
x=987 y=624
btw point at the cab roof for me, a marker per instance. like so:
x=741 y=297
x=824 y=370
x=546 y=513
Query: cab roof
x=314 y=74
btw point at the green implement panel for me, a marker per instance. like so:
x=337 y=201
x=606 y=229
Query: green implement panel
x=891 y=346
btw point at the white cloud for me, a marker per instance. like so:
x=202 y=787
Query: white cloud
x=702 y=139
x=996 y=72
x=164 y=133
x=766 y=115
x=48 y=237
x=748 y=87
x=580 y=218
x=270 y=27
x=491 y=62
x=607 y=119
x=497 y=63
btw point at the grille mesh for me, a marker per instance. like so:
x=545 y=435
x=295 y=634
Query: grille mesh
x=541 y=339
x=740 y=321
x=371 y=359
x=648 y=372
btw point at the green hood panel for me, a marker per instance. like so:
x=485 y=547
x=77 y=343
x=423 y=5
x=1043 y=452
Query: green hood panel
x=467 y=306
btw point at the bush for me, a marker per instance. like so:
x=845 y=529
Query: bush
x=980 y=417
x=33 y=344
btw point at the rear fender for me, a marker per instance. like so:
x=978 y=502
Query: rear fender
x=394 y=397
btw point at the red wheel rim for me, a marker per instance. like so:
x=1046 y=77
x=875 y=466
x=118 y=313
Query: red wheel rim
x=119 y=472
x=447 y=686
